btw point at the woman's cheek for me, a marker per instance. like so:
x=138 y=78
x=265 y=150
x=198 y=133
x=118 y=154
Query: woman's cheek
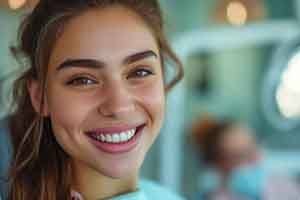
x=153 y=99
x=66 y=109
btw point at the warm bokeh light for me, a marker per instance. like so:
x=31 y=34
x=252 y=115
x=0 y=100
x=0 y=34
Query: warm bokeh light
x=236 y=13
x=288 y=93
x=16 y=4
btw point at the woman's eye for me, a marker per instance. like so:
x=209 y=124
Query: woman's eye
x=140 y=73
x=81 y=81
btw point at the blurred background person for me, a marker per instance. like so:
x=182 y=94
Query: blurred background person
x=235 y=168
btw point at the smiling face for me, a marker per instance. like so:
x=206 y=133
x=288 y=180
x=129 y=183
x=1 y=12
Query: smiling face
x=105 y=91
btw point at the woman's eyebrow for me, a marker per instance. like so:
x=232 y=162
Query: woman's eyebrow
x=140 y=56
x=97 y=64
x=82 y=63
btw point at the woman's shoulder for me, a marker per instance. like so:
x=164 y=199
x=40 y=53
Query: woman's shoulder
x=153 y=190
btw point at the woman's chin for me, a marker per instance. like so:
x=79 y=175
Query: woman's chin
x=119 y=172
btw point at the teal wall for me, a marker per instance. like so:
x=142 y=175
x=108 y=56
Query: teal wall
x=279 y=9
x=228 y=67
x=182 y=16
x=8 y=26
x=237 y=73
x=8 y=30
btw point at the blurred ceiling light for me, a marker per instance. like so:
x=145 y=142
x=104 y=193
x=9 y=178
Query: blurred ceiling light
x=288 y=93
x=288 y=102
x=16 y=4
x=239 y=12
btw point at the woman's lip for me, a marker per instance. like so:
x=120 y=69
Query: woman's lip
x=114 y=129
x=116 y=148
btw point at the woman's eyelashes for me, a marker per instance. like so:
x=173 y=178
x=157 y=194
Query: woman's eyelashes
x=81 y=81
x=140 y=72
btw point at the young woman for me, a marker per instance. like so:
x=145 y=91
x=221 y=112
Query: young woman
x=90 y=101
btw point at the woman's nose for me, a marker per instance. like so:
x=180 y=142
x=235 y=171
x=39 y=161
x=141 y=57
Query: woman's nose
x=118 y=101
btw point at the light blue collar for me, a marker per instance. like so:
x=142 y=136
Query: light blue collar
x=138 y=195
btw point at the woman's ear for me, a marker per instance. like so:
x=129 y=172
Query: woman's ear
x=37 y=95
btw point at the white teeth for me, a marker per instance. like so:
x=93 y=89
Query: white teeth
x=131 y=133
x=123 y=137
x=98 y=137
x=102 y=138
x=108 y=138
x=116 y=137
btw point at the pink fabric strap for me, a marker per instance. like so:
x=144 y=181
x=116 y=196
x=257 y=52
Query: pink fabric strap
x=75 y=195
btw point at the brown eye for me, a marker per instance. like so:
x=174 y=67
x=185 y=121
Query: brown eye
x=81 y=81
x=140 y=73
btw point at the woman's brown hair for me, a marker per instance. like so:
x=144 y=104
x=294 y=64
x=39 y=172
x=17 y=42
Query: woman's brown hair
x=207 y=135
x=40 y=168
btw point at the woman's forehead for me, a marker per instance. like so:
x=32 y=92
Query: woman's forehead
x=238 y=137
x=108 y=34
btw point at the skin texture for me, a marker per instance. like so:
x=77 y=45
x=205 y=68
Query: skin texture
x=80 y=99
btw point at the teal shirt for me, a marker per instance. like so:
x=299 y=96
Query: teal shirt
x=149 y=190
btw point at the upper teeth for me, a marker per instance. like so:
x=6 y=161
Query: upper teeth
x=116 y=137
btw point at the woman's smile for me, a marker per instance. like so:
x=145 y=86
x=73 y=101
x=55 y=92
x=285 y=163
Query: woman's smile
x=118 y=139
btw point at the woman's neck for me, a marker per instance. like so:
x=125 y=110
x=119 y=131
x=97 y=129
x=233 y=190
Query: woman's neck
x=93 y=185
